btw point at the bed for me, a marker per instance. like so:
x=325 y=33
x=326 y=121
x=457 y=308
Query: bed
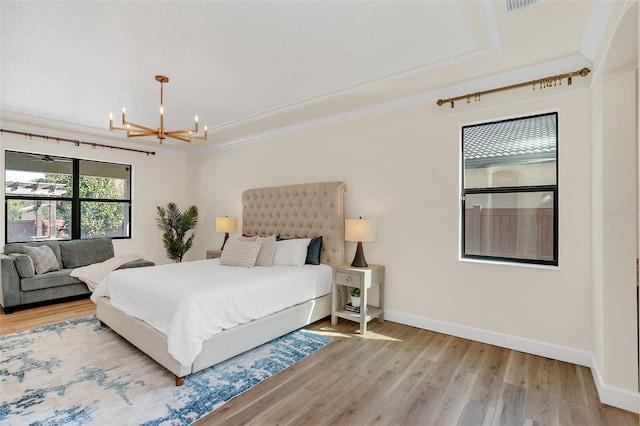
x=291 y=211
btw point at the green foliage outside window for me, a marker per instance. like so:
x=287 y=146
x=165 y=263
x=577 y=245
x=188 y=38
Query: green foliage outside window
x=17 y=208
x=98 y=219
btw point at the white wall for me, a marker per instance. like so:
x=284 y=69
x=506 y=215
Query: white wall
x=615 y=204
x=156 y=180
x=402 y=169
x=619 y=232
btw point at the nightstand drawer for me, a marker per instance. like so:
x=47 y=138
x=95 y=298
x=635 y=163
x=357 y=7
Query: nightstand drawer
x=354 y=280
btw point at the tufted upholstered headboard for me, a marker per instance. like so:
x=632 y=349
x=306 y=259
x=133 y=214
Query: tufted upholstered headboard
x=299 y=211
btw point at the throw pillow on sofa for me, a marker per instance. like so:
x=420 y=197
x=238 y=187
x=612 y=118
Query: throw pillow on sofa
x=24 y=265
x=44 y=260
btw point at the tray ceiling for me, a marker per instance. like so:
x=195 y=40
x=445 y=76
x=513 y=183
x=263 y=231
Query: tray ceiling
x=251 y=67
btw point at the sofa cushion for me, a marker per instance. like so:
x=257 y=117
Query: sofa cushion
x=52 y=279
x=44 y=260
x=24 y=265
x=77 y=253
x=19 y=248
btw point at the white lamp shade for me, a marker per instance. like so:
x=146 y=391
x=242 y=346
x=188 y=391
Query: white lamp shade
x=359 y=230
x=226 y=224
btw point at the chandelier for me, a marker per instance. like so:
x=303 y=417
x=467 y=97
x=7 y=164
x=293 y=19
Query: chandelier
x=135 y=130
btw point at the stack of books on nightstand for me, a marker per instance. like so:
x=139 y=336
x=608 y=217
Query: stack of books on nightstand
x=350 y=308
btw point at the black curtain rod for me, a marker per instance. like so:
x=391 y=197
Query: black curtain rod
x=76 y=142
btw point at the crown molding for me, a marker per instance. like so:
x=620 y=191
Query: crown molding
x=22 y=123
x=491 y=31
x=515 y=76
x=596 y=27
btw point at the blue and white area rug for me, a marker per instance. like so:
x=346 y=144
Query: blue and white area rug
x=77 y=372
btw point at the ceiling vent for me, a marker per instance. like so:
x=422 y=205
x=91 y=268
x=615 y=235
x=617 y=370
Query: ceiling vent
x=515 y=5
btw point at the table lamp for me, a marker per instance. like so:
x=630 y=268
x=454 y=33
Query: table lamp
x=226 y=224
x=359 y=230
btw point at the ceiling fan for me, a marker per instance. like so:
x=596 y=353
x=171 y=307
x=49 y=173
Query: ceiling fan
x=46 y=158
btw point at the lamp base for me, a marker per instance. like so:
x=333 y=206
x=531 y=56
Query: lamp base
x=359 y=261
x=226 y=237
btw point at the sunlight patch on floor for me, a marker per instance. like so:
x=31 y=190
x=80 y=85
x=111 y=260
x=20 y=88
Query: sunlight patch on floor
x=370 y=335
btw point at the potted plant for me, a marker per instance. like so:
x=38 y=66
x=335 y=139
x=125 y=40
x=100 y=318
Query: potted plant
x=175 y=225
x=355 y=296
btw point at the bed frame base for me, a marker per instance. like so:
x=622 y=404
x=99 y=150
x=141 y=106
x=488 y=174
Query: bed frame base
x=219 y=347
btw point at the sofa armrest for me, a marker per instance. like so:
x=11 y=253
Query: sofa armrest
x=24 y=265
x=10 y=282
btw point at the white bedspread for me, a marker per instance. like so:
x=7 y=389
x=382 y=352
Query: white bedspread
x=191 y=301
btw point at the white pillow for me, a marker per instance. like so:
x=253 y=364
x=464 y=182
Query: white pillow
x=240 y=253
x=291 y=252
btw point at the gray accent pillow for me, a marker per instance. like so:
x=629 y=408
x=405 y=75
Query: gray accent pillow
x=19 y=248
x=240 y=253
x=77 y=253
x=44 y=260
x=24 y=265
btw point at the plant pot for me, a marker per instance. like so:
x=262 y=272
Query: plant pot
x=355 y=301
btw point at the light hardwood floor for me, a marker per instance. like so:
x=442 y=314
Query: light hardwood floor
x=399 y=375
x=25 y=319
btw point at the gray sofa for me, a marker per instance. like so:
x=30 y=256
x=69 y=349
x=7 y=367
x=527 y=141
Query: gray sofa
x=22 y=285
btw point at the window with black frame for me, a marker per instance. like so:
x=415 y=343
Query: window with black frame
x=510 y=190
x=53 y=197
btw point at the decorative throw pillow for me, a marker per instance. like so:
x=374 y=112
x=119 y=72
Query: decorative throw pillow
x=24 y=265
x=240 y=253
x=313 y=251
x=267 y=248
x=44 y=260
x=291 y=252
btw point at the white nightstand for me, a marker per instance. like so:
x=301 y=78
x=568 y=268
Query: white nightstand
x=345 y=276
x=214 y=254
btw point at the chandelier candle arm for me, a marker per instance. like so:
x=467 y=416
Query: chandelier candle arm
x=136 y=130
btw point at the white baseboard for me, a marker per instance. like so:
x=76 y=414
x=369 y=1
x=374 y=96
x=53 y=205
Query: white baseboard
x=611 y=395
